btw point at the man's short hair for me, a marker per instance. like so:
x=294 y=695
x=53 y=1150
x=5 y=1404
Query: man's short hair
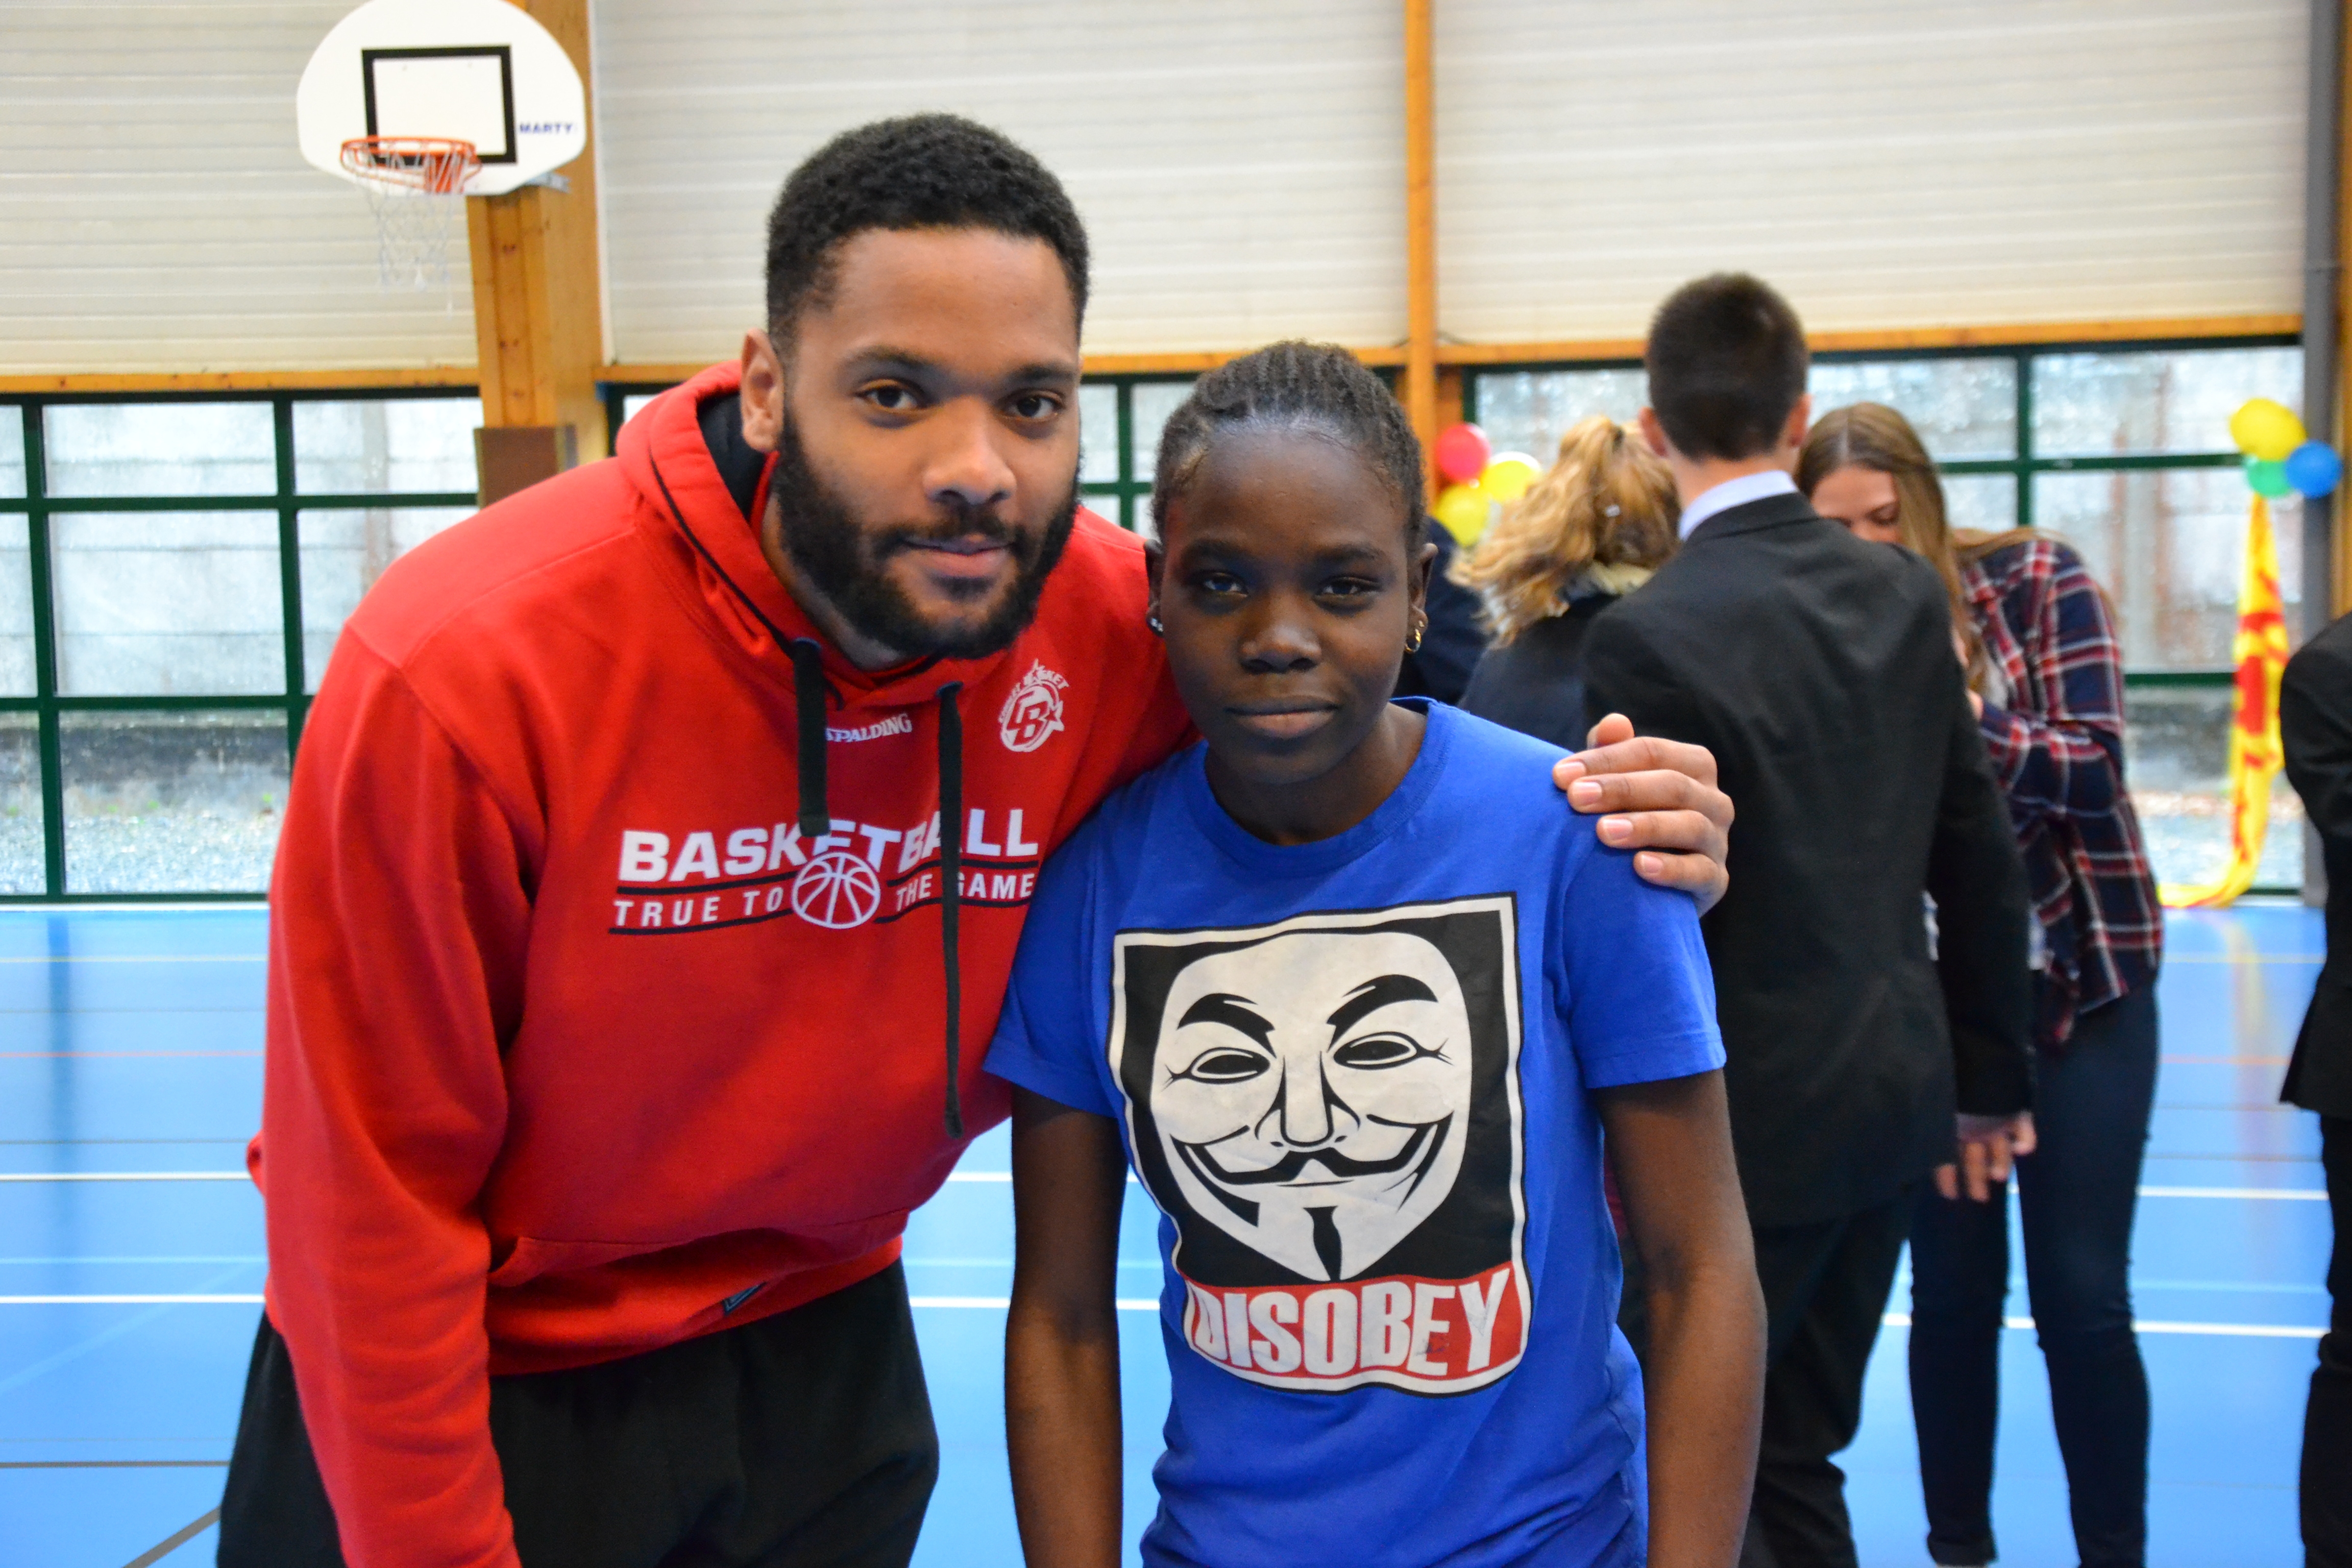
x=1726 y=362
x=924 y=170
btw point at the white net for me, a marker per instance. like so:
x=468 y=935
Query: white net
x=416 y=190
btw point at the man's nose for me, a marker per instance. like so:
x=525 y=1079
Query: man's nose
x=1305 y=1118
x=1280 y=637
x=967 y=466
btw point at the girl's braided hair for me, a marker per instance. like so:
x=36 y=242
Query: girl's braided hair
x=1317 y=389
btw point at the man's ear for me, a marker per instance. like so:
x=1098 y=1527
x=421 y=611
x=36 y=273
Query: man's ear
x=1654 y=434
x=763 y=392
x=1800 y=422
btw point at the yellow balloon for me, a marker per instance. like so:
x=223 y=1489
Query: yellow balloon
x=2267 y=429
x=1462 y=509
x=1510 y=476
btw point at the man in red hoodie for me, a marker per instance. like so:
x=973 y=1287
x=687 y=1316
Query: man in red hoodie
x=653 y=866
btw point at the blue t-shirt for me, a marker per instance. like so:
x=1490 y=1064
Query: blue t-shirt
x=1352 y=1076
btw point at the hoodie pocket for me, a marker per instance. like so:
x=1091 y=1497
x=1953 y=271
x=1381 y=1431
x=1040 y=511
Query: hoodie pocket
x=532 y=1257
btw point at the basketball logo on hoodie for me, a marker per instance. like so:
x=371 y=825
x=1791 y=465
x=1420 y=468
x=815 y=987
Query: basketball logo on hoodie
x=1033 y=712
x=838 y=890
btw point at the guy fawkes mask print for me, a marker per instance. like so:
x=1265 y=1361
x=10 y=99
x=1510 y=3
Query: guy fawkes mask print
x=1312 y=1091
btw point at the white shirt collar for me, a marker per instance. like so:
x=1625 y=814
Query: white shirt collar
x=1736 y=492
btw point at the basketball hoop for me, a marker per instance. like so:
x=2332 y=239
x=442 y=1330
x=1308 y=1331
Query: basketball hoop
x=417 y=188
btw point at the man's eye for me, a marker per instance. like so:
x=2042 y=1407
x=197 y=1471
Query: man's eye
x=1225 y=1067
x=1376 y=1051
x=890 y=397
x=1036 y=405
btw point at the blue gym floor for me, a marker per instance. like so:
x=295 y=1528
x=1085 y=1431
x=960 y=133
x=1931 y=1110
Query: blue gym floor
x=130 y=1266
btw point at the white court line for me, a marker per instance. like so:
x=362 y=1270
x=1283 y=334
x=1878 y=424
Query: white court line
x=2305 y=1195
x=253 y=1300
x=139 y=958
x=2239 y=1330
x=123 y=1176
x=999 y=1303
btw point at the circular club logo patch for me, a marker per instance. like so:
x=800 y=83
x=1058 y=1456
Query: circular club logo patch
x=838 y=890
x=1033 y=712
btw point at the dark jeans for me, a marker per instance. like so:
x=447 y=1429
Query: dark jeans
x=1825 y=1290
x=803 y=1440
x=2327 y=1419
x=2076 y=1197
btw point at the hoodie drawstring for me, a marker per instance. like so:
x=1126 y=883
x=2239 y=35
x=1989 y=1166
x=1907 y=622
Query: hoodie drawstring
x=808 y=699
x=951 y=890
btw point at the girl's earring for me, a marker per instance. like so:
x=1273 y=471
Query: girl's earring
x=1153 y=622
x=1412 y=639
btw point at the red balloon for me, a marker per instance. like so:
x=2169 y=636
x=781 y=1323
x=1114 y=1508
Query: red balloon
x=1462 y=453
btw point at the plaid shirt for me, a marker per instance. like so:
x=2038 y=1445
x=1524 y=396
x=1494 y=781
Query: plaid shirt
x=2054 y=725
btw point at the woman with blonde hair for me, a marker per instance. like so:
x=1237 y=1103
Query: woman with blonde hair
x=2045 y=676
x=1590 y=531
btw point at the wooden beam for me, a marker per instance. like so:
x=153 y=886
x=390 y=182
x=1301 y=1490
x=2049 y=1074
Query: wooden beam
x=2020 y=334
x=537 y=298
x=1420 y=388
x=455 y=377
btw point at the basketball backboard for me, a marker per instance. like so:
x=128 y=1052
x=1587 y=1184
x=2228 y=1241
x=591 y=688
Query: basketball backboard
x=477 y=70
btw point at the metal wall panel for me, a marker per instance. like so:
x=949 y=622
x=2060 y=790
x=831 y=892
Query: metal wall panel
x=1887 y=165
x=154 y=215
x=1239 y=164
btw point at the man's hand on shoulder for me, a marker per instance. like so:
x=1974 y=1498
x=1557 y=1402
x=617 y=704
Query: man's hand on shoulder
x=1657 y=796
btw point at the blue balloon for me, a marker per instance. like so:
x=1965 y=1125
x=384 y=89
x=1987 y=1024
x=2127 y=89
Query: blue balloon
x=2314 y=469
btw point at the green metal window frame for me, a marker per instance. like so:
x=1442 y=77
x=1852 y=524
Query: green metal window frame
x=1120 y=500
x=48 y=706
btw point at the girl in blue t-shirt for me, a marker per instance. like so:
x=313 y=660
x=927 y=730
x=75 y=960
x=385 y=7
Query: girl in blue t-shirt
x=1358 y=1004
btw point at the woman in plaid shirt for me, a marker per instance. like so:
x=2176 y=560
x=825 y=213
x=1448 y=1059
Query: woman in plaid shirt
x=2045 y=676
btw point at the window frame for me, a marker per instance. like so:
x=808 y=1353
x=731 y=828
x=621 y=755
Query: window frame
x=37 y=506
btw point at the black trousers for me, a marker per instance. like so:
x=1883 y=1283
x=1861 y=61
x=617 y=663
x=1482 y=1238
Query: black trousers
x=1826 y=1289
x=2076 y=1194
x=2327 y=1419
x=803 y=1440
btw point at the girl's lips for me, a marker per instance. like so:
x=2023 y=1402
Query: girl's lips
x=1286 y=724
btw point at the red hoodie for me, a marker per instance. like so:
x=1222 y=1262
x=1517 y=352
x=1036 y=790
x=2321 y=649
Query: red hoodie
x=584 y=1037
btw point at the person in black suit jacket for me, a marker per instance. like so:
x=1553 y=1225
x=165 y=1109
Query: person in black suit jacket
x=1819 y=670
x=1450 y=641
x=1594 y=529
x=2315 y=723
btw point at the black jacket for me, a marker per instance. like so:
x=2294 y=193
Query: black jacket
x=1534 y=682
x=1819 y=670
x=2315 y=722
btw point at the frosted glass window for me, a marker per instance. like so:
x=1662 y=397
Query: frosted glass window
x=160 y=449
x=12 y=450
x=2102 y=404
x=2177 y=746
x=15 y=607
x=386 y=444
x=1099 y=433
x=173 y=802
x=1152 y=403
x=21 y=860
x=1528 y=411
x=1961 y=407
x=168 y=604
x=343 y=553
x=1987 y=502
x=2169 y=546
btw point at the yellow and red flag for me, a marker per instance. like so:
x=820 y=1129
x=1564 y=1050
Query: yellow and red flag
x=2255 y=755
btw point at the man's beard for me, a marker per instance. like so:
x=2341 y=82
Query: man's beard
x=844 y=561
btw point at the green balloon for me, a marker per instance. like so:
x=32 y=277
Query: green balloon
x=2268 y=478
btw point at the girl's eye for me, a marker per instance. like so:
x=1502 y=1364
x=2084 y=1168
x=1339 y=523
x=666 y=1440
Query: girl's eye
x=1218 y=583
x=1349 y=588
x=1036 y=405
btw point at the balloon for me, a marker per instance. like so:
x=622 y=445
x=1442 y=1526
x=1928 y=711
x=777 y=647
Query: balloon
x=2268 y=478
x=2314 y=469
x=1510 y=476
x=2266 y=429
x=1462 y=451
x=1462 y=509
